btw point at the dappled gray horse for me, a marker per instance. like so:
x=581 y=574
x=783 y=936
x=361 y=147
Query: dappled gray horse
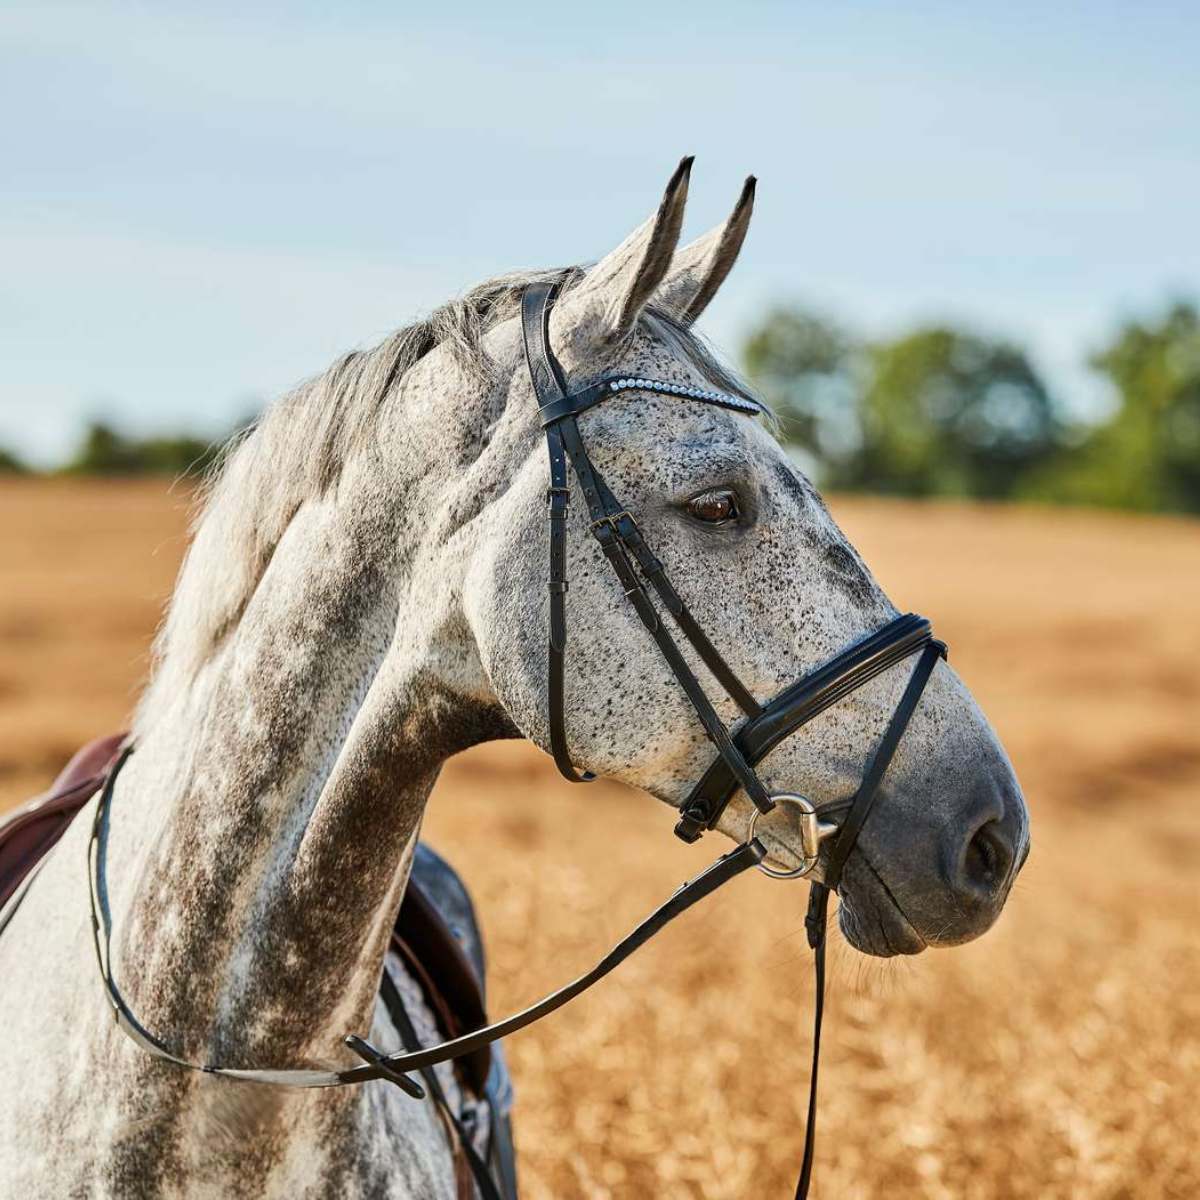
x=365 y=596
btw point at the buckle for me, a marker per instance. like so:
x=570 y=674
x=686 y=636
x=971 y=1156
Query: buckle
x=817 y=917
x=559 y=499
x=611 y=520
x=691 y=825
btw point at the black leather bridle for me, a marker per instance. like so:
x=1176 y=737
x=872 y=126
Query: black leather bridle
x=738 y=750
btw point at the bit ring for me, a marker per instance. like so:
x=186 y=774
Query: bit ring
x=813 y=831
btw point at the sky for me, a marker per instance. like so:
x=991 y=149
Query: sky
x=202 y=205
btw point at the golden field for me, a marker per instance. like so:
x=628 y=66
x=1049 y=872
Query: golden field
x=1059 y=1056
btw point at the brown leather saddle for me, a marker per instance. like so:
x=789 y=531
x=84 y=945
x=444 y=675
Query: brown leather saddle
x=435 y=935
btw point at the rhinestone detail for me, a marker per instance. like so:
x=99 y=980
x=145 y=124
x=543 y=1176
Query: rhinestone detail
x=724 y=399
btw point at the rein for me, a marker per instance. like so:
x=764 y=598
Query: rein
x=739 y=750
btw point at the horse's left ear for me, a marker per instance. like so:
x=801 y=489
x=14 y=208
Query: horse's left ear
x=698 y=270
x=606 y=304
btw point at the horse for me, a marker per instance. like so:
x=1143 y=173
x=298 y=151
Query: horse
x=363 y=597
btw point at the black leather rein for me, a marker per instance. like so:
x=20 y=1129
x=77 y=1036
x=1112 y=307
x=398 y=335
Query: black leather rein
x=378 y=1064
x=739 y=750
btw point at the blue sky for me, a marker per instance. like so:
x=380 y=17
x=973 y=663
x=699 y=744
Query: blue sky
x=201 y=205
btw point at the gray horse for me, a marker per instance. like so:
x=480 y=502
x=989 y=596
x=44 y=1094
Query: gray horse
x=365 y=596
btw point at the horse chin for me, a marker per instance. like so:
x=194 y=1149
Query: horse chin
x=869 y=917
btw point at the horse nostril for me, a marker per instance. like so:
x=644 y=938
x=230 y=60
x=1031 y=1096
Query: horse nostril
x=987 y=858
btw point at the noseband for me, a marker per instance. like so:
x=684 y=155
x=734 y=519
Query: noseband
x=739 y=750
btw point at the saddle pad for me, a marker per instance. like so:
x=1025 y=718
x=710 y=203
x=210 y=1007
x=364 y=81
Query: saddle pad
x=29 y=833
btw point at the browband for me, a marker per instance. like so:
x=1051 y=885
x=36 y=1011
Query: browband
x=606 y=389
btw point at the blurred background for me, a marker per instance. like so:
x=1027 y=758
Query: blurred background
x=970 y=291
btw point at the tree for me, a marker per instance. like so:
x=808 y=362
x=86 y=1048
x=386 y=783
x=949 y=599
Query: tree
x=936 y=412
x=945 y=412
x=10 y=464
x=808 y=368
x=1147 y=456
x=104 y=451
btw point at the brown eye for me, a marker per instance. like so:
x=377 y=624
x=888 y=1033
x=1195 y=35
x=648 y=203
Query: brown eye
x=717 y=507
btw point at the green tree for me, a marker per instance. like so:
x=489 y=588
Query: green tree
x=936 y=412
x=808 y=368
x=1147 y=456
x=945 y=412
x=104 y=451
x=10 y=464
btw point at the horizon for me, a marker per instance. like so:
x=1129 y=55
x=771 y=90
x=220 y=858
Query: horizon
x=205 y=208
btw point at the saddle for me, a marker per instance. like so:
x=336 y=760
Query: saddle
x=436 y=934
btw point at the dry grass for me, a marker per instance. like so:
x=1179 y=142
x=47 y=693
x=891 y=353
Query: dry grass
x=1059 y=1056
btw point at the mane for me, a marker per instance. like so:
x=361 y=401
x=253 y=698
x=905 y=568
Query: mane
x=297 y=449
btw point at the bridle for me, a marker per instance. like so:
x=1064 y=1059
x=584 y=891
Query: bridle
x=738 y=750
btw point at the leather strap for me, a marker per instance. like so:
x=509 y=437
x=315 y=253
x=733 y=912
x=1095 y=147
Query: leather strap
x=464 y=1146
x=378 y=1065
x=868 y=790
x=548 y=386
x=795 y=706
x=816 y=921
x=579 y=402
x=618 y=536
x=608 y=535
x=122 y=1014
x=727 y=867
x=655 y=574
x=544 y=371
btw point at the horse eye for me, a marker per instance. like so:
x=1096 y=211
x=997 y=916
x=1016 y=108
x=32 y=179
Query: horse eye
x=716 y=507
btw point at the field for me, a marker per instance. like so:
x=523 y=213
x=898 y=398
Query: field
x=1059 y=1056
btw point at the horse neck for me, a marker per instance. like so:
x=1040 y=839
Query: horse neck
x=262 y=832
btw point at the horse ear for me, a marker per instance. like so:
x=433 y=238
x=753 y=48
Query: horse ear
x=620 y=285
x=698 y=270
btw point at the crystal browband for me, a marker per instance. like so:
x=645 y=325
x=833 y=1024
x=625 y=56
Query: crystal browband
x=577 y=402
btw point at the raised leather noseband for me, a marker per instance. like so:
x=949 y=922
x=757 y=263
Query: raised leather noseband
x=798 y=704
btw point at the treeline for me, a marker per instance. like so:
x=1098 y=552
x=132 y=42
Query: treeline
x=942 y=411
x=103 y=450
x=939 y=411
